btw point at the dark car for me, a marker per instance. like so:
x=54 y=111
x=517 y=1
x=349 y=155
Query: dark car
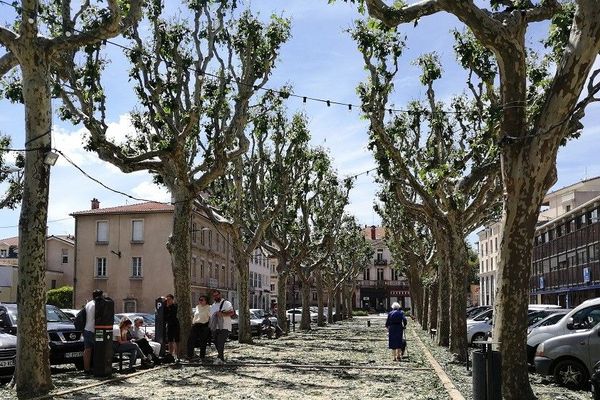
x=66 y=342
x=8 y=353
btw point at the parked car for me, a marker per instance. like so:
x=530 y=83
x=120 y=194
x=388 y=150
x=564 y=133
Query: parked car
x=71 y=313
x=8 y=355
x=260 y=313
x=487 y=314
x=254 y=324
x=66 y=342
x=549 y=320
x=478 y=330
x=473 y=311
x=570 y=358
x=580 y=319
x=538 y=315
x=298 y=315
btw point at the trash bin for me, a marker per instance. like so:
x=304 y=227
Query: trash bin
x=487 y=374
x=160 y=325
x=103 y=336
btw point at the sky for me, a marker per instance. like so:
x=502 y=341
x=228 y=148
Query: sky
x=320 y=60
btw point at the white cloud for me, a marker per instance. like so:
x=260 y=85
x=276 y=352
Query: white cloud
x=150 y=191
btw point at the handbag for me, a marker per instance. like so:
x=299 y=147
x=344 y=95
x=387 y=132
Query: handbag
x=216 y=320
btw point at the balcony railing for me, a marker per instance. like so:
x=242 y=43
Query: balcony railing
x=380 y=261
x=382 y=283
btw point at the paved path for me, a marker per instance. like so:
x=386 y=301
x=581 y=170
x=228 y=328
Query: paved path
x=348 y=360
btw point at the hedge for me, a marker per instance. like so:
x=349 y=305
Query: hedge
x=61 y=297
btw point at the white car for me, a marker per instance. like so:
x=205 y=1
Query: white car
x=478 y=330
x=260 y=313
x=295 y=314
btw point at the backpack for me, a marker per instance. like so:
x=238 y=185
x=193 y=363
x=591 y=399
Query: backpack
x=80 y=320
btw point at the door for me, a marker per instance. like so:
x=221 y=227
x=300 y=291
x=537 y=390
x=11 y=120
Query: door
x=593 y=348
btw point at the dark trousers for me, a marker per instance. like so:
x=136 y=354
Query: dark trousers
x=220 y=338
x=145 y=346
x=199 y=336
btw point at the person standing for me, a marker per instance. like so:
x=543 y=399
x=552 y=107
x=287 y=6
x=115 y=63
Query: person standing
x=172 y=326
x=395 y=324
x=200 y=331
x=223 y=310
x=88 y=331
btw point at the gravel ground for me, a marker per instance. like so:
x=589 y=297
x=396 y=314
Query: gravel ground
x=543 y=387
x=345 y=360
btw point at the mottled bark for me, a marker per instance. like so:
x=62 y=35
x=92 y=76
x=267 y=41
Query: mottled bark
x=458 y=297
x=32 y=374
x=425 y=308
x=443 y=305
x=330 y=304
x=243 y=267
x=282 y=278
x=339 y=307
x=433 y=306
x=320 y=297
x=305 y=320
x=347 y=299
x=179 y=248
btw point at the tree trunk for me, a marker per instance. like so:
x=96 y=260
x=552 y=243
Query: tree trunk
x=459 y=261
x=347 y=299
x=305 y=321
x=330 y=304
x=425 y=308
x=523 y=198
x=282 y=277
x=320 y=297
x=32 y=374
x=179 y=248
x=433 y=302
x=443 y=305
x=339 y=312
x=243 y=267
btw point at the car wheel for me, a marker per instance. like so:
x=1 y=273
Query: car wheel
x=478 y=337
x=570 y=373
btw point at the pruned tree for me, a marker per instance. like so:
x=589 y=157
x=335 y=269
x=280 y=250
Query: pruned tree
x=537 y=116
x=195 y=80
x=42 y=34
x=257 y=186
x=10 y=175
x=443 y=166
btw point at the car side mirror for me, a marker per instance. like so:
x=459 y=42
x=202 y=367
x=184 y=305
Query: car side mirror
x=570 y=324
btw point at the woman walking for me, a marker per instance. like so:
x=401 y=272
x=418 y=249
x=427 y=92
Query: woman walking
x=395 y=324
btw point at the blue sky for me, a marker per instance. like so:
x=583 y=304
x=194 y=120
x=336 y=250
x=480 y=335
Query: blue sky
x=320 y=60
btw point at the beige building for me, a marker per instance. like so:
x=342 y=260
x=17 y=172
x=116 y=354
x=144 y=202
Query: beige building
x=122 y=250
x=555 y=204
x=260 y=280
x=60 y=254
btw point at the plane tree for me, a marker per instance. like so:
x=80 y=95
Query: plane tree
x=195 y=78
x=33 y=50
x=539 y=112
x=441 y=159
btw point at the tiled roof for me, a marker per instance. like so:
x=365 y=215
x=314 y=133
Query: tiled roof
x=11 y=241
x=129 y=209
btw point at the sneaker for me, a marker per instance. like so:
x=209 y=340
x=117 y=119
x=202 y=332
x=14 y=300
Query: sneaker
x=218 y=361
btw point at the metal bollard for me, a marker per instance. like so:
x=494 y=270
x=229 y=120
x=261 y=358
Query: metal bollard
x=369 y=322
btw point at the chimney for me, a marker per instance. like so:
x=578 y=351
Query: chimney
x=95 y=204
x=373 y=232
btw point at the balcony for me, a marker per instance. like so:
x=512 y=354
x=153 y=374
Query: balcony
x=380 y=261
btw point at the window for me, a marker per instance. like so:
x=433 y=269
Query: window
x=379 y=254
x=581 y=256
x=272 y=287
x=129 y=306
x=553 y=263
x=201 y=269
x=259 y=284
x=194 y=232
x=593 y=252
x=194 y=269
x=65 y=256
x=367 y=274
x=567 y=208
x=379 y=274
x=572 y=258
x=586 y=318
x=101 y=267
x=314 y=296
x=3 y=253
x=210 y=239
x=102 y=232
x=395 y=275
x=559 y=230
x=53 y=284
x=496 y=244
x=137 y=230
x=202 y=236
x=136 y=267
x=562 y=261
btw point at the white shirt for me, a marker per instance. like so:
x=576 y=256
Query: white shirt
x=226 y=307
x=90 y=316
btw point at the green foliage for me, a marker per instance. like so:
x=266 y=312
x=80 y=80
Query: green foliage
x=360 y=313
x=61 y=297
x=12 y=179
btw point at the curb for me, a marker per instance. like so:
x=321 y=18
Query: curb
x=453 y=392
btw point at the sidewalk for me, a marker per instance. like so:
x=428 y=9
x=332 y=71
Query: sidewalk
x=347 y=360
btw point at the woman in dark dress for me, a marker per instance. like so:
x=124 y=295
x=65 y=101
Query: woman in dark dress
x=395 y=324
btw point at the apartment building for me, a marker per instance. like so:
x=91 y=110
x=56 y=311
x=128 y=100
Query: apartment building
x=60 y=252
x=122 y=250
x=260 y=280
x=556 y=204
x=380 y=284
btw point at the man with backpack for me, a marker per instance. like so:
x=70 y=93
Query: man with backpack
x=220 y=323
x=88 y=330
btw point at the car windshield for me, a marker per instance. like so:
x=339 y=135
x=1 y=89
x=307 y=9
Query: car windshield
x=149 y=319
x=551 y=320
x=54 y=314
x=259 y=313
x=484 y=315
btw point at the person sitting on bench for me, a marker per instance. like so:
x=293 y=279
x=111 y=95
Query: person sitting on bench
x=124 y=344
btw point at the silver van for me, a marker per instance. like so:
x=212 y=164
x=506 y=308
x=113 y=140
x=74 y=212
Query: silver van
x=580 y=319
x=570 y=358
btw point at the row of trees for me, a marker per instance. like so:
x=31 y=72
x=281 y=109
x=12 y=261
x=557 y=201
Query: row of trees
x=199 y=129
x=445 y=166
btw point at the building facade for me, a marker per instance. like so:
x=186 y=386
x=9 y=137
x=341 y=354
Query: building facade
x=60 y=254
x=122 y=250
x=260 y=280
x=380 y=284
x=565 y=266
x=555 y=205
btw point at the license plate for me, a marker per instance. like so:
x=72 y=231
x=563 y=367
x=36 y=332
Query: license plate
x=74 y=354
x=7 y=363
